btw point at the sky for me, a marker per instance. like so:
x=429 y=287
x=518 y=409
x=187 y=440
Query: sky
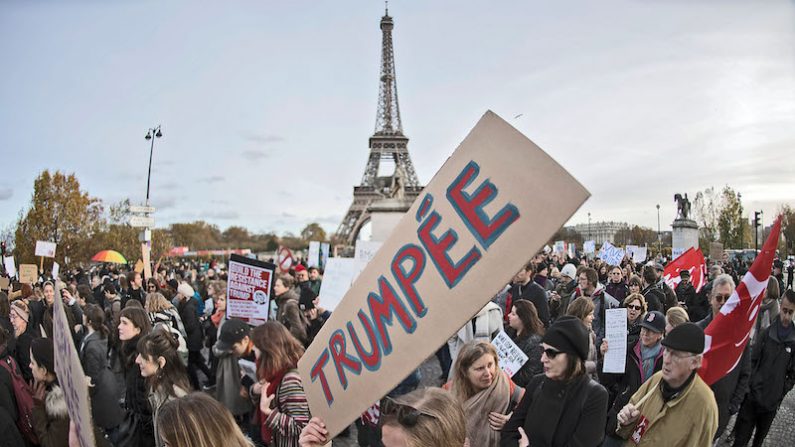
x=266 y=107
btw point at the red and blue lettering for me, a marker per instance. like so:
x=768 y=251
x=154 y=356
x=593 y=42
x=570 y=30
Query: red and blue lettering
x=451 y=272
x=317 y=373
x=382 y=309
x=407 y=279
x=341 y=358
x=372 y=359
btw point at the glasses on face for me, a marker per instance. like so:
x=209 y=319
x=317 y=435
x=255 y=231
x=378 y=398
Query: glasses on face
x=406 y=415
x=551 y=353
x=721 y=298
x=635 y=307
x=676 y=356
x=615 y=273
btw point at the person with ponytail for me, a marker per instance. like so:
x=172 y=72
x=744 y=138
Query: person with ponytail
x=165 y=373
x=104 y=393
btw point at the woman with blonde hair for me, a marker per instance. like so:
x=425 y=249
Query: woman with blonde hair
x=198 y=420
x=486 y=393
x=424 y=417
x=674 y=317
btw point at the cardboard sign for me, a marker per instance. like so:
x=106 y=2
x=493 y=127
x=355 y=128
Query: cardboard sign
x=70 y=375
x=139 y=266
x=28 y=273
x=615 y=360
x=610 y=254
x=11 y=267
x=146 y=253
x=589 y=247
x=248 y=289
x=716 y=251
x=46 y=249
x=482 y=217
x=337 y=280
x=511 y=357
x=4 y=283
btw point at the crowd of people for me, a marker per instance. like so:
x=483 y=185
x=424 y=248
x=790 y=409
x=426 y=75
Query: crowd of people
x=165 y=366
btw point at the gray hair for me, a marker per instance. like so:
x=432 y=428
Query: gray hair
x=722 y=280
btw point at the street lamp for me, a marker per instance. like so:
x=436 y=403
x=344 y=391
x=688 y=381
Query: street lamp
x=157 y=133
x=589 y=226
x=659 y=234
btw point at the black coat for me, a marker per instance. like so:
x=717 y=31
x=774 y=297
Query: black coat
x=561 y=414
x=730 y=390
x=104 y=406
x=654 y=298
x=22 y=354
x=8 y=405
x=773 y=363
x=535 y=294
x=190 y=320
x=136 y=396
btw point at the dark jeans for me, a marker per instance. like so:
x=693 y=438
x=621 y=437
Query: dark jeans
x=196 y=361
x=752 y=416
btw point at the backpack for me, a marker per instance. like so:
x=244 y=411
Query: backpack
x=24 y=398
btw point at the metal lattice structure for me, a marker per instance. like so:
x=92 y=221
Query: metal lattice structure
x=387 y=144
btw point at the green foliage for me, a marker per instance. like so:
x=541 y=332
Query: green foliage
x=720 y=217
x=313 y=232
x=636 y=235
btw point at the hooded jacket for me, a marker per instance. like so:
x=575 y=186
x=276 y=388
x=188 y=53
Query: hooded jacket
x=51 y=418
x=773 y=362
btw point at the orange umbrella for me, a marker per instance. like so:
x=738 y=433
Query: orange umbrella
x=109 y=256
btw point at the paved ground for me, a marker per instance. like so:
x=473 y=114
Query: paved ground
x=782 y=433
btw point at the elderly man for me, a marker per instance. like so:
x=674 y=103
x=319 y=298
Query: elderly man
x=731 y=389
x=674 y=407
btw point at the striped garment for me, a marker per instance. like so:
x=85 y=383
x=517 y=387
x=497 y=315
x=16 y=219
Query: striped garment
x=291 y=413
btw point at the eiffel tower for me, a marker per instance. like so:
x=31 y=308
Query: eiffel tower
x=388 y=144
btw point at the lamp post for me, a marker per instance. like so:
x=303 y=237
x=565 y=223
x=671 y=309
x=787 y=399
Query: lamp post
x=659 y=233
x=157 y=134
x=589 y=226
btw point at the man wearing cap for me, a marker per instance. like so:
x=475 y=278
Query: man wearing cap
x=233 y=343
x=560 y=298
x=302 y=276
x=674 y=407
x=670 y=295
x=685 y=292
x=730 y=390
x=644 y=358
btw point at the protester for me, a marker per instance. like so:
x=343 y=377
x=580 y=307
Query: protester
x=313 y=317
x=773 y=375
x=524 y=288
x=315 y=280
x=583 y=309
x=137 y=428
x=669 y=299
x=560 y=298
x=634 y=284
x=644 y=358
x=186 y=306
x=590 y=288
x=636 y=309
x=485 y=392
x=283 y=409
x=197 y=420
x=655 y=297
x=288 y=312
x=526 y=331
x=233 y=343
x=685 y=292
x=20 y=316
x=563 y=406
x=484 y=326
x=616 y=287
x=674 y=317
x=160 y=364
x=9 y=413
x=769 y=309
x=674 y=407
x=425 y=417
x=104 y=392
x=50 y=415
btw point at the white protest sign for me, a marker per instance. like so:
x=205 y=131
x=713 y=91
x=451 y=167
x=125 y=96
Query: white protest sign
x=589 y=247
x=511 y=357
x=616 y=335
x=640 y=254
x=337 y=279
x=70 y=375
x=572 y=250
x=324 y=250
x=56 y=269
x=560 y=247
x=248 y=288
x=547 y=249
x=481 y=218
x=610 y=254
x=313 y=257
x=11 y=267
x=46 y=249
x=365 y=250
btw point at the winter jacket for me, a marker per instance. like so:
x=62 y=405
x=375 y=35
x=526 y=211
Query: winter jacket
x=8 y=405
x=290 y=411
x=773 y=361
x=688 y=420
x=531 y=346
x=22 y=354
x=105 y=407
x=686 y=293
x=288 y=314
x=555 y=413
x=190 y=320
x=619 y=291
x=535 y=294
x=669 y=295
x=624 y=385
x=730 y=390
x=228 y=383
x=654 y=298
x=697 y=304
x=51 y=418
x=136 y=397
x=564 y=291
x=602 y=301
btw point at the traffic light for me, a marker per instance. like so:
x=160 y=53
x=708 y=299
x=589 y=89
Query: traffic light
x=757 y=220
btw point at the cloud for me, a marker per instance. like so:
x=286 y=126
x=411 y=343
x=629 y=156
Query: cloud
x=221 y=215
x=260 y=138
x=162 y=203
x=6 y=193
x=254 y=154
x=213 y=179
x=169 y=185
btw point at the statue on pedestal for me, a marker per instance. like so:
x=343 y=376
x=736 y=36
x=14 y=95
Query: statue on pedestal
x=682 y=206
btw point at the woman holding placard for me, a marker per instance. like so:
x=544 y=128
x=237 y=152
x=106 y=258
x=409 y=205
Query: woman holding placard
x=483 y=389
x=526 y=330
x=562 y=406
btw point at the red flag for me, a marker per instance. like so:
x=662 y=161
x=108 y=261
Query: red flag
x=691 y=260
x=728 y=333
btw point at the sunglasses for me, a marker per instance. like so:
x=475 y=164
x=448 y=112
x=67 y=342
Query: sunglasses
x=635 y=307
x=721 y=298
x=551 y=353
x=406 y=415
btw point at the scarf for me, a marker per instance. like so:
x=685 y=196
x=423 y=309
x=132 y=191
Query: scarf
x=216 y=317
x=477 y=408
x=273 y=384
x=669 y=393
x=648 y=357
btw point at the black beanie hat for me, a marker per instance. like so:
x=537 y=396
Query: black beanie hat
x=568 y=334
x=687 y=337
x=43 y=353
x=307 y=299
